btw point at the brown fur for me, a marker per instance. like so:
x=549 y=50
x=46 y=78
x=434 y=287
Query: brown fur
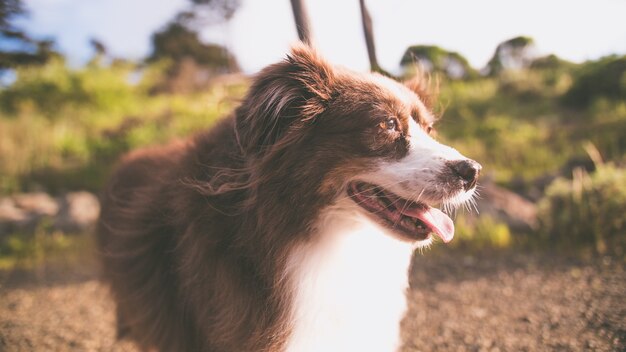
x=195 y=236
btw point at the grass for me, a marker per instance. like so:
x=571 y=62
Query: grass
x=517 y=127
x=62 y=129
x=28 y=251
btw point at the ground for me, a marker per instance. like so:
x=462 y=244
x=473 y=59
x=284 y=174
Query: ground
x=516 y=302
x=488 y=301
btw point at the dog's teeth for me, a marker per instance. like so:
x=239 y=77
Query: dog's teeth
x=407 y=222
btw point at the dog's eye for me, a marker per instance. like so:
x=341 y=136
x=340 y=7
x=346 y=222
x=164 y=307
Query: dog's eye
x=390 y=124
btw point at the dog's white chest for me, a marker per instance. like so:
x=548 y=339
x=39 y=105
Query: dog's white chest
x=349 y=289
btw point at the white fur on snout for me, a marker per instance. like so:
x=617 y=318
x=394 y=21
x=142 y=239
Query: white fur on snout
x=416 y=176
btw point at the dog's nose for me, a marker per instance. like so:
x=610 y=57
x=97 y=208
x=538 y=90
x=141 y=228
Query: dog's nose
x=468 y=170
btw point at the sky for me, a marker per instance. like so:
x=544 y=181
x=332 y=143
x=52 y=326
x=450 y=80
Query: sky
x=262 y=30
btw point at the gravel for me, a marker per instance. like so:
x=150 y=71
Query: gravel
x=514 y=302
x=457 y=302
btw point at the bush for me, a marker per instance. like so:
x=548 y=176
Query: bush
x=62 y=128
x=514 y=53
x=54 y=89
x=605 y=78
x=587 y=211
x=481 y=232
x=436 y=59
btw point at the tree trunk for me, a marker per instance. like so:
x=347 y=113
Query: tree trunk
x=301 y=17
x=369 y=36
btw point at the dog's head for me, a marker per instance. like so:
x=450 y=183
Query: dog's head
x=357 y=135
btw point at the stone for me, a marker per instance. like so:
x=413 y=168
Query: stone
x=508 y=207
x=78 y=212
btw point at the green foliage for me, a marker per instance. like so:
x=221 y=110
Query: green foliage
x=605 y=78
x=588 y=210
x=8 y=10
x=212 y=11
x=24 y=50
x=511 y=53
x=519 y=42
x=177 y=42
x=550 y=62
x=481 y=232
x=517 y=127
x=436 y=59
x=63 y=129
x=509 y=125
x=54 y=87
x=33 y=249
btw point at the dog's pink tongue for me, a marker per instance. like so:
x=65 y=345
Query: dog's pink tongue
x=439 y=222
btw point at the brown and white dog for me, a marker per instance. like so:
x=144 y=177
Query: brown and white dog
x=290 y=225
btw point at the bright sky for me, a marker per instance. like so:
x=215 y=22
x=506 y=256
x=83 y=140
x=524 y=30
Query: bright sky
x=262 y=30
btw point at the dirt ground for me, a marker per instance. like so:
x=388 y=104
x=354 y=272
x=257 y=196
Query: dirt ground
x=458 y=302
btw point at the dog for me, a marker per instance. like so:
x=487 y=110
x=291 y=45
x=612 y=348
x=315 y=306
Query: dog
x=289 y=225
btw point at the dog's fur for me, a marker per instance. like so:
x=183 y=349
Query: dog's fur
x=244 y=238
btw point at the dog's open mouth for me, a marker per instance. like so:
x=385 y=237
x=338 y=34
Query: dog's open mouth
x=414 y=220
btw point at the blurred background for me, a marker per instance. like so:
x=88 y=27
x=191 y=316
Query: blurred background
x=534 y=90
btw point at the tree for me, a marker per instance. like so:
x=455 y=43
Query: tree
x=514 y=53
x=194 y=63
x=180 y=40
x=16 y=47
x=604 y=79
x=8 y=10
x=214 y=11
x=177 y=42
x=98 y=46
x=368 y=32
x=435 y=59
x=301 y=16
x=202 y=13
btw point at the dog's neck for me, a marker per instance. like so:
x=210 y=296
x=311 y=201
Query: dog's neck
x=348 y=285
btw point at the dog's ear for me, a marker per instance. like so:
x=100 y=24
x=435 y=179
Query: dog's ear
x=284 y=98
x=422 y=84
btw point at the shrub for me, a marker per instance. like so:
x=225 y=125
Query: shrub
x=587 y=211
x=605 y=78
x=62 y=128
x=436 y=59
x=481 y=232
x=54 y=89
x=514 y=53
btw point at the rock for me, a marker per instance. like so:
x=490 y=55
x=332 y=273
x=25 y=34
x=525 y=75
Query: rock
x=79 y=212
x=11 y=217
x=24 y=212
x=71 y=212
x=506 y=206
x=37 y=203
x=9 y=212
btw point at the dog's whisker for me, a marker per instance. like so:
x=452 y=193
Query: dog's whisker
x=473 y=202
